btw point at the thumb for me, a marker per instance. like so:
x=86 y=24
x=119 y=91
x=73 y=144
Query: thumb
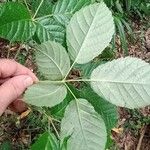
x=12 y=89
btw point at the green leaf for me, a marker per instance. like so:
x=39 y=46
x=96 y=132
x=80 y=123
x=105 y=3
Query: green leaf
x=124 y=82
x=119 y=6
x=64 y=9
x=89 y=32
x=6 y=145
x=129 y=29
x=121 y=34
x=84 y=125
x=47 y=28
x=64 y=143
x=107 y=110
x=15 y=22
x=47 y=141
x=45 y=93
x=45 y=9
x=52 y=60
x=58 y=110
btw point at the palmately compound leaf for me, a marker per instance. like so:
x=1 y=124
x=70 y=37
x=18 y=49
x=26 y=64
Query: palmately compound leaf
x=47 y=141
x=15 y=22
x=52 y=60
x=45 y=93
x=89 y=32
x=86 y=128
x=124 y=82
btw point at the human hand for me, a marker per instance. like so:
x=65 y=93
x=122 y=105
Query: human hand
x=14 y=79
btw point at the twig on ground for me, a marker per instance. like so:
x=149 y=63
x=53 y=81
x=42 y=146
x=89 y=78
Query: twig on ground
x=141 y=138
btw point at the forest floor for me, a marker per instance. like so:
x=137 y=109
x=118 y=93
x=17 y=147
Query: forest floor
x=19 y=131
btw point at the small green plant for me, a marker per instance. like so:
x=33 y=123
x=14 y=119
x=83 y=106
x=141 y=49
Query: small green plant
x=120 y=81
x=69 y=34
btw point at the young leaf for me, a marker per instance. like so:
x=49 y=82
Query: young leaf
x=45 y=93
x=89 y=32
x=124 y=82
x=52 y=60
x=15 y=22
x=46 y=142
x=85 y=127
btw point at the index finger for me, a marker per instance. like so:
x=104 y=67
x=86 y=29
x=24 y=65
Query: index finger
x=10 y=68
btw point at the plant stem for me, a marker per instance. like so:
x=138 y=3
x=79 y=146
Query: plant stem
x=17 y=53
x=69 y=70
x=67 y=81
x=50 y=120
x=141 y=138
x=78 y=109
x=78 y=80
x=81 y=80
x=8 y=53
x=53 y=82
x=54 y=14
x=70 y=91
x=26 y=5
x=38 y=9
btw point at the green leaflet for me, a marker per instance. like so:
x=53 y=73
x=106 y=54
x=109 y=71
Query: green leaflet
x=108 y=111
x=47 y=28
x=89 y=32
x=45 y=94
x=52 y=60
x=45 y=8
x=124 y=82
x=47 y=141
x=64 y=143
x=64 y=9
x=86 y=127
x=18 y=26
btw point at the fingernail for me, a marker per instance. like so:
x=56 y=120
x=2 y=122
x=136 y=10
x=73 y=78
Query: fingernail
x=36 y=80
x=28 y=81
